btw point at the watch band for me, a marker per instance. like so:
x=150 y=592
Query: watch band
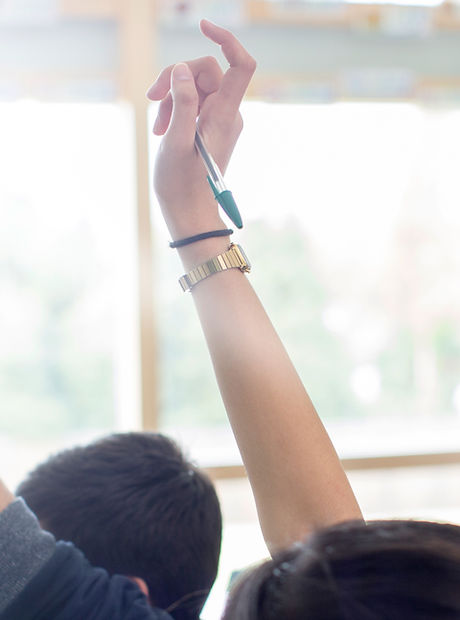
x=233 y=258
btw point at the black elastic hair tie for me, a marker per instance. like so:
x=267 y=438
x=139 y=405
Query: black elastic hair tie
x=207 y=235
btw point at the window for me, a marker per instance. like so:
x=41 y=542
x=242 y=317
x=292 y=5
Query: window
x=352 y=222
x=69 y=364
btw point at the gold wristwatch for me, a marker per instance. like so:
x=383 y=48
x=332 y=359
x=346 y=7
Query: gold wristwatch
x=233 y=258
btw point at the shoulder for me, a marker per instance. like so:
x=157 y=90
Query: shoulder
x=64 y=586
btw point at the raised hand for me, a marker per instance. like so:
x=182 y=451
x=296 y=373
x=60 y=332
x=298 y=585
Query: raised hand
x=191 y=91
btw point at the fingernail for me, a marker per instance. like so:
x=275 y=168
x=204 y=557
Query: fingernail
x=182 y=72
x=156 y=124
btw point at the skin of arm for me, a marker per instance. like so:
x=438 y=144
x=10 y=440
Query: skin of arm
x=6 y=497
x=296 y=477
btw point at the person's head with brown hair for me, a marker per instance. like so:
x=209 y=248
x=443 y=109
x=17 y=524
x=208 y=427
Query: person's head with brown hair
x=383 y=570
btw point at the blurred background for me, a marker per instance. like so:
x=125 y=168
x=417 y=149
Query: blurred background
x=347 y=177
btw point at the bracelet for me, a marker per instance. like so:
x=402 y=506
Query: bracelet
x=234 y=257
x=207 y=235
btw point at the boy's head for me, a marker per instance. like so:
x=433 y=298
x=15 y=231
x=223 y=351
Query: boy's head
x=135 y=506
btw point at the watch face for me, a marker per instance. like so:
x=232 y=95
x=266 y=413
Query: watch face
x=247 y=265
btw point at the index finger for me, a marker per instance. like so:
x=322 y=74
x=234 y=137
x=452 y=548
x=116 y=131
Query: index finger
x=206 y=71
x=242 y=65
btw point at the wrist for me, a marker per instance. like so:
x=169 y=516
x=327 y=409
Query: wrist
x=192 y=217
x=197 y=253
x=233 y=257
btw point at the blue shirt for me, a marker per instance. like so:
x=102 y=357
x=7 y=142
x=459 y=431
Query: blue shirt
x=44 y=580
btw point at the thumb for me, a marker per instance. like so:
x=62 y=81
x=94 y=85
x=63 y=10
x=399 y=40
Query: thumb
x=181 y=131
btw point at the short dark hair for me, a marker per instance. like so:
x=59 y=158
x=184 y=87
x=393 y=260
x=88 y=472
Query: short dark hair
x=135 y=506
x=356 y=571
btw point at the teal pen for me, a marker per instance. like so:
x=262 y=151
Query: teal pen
x=223 y=196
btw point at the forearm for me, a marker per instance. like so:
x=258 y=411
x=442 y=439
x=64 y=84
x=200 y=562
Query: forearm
x=6 y=497
x=296 y=476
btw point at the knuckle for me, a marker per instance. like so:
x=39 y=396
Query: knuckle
x=211 y=65
x=250 y=64
x=187 y=97
x=210 y=60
